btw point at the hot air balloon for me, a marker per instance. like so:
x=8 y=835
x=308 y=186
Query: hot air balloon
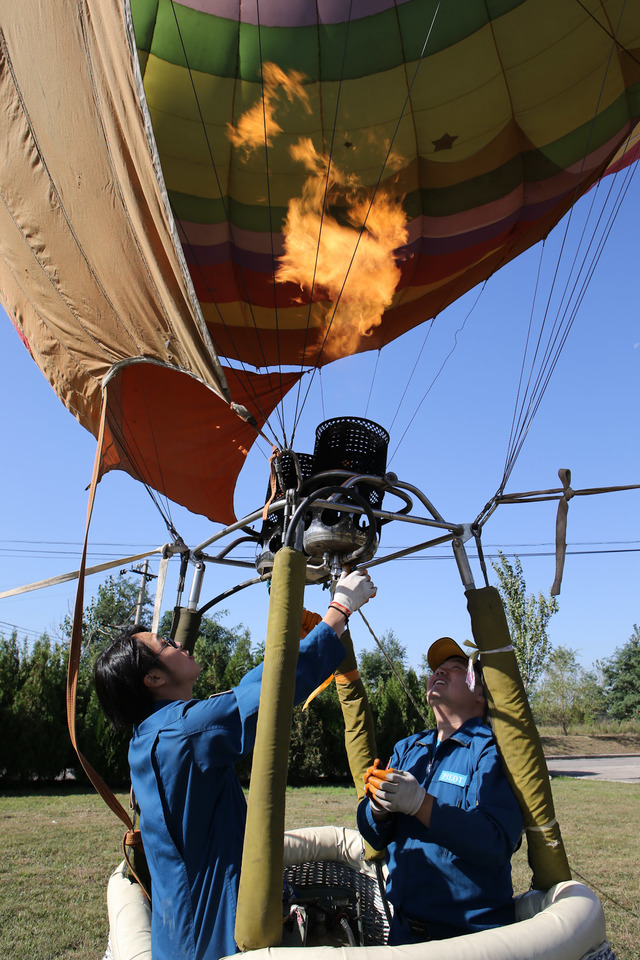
x=281 y=167
x=193 y=190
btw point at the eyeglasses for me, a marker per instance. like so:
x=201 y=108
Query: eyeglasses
x=166 y=642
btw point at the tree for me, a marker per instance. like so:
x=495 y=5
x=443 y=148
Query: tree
x=528 y=617
x=112 y=608
x=394 y=690
x=35 y=741
x=621 y=674
x=376 y=665
x=395 y=713
x=317 y=740
x=566 y=693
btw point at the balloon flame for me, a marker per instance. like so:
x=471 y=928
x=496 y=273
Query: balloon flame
x=258 y=126
x=349 y=261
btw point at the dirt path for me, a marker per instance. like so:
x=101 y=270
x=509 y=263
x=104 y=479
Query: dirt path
x=608 y=743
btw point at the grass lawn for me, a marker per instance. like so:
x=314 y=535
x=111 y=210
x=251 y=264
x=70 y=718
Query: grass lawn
x=59 y=847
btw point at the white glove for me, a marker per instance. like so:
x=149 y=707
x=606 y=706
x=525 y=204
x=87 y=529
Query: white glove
x=353 y=590
x=399 y=792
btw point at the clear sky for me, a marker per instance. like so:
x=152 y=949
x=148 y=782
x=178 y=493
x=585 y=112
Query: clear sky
x=451 y=444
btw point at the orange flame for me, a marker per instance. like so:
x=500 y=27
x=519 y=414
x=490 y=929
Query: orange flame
x=258 y=125
x=351 y=263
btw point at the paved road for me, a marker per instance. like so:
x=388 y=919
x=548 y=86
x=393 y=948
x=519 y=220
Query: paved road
x=625 y=769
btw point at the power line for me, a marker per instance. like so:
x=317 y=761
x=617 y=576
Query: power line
x=599 y=547
x=78 y=543
x=26 y=631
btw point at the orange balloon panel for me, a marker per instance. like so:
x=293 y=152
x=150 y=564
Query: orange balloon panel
x=167 y=429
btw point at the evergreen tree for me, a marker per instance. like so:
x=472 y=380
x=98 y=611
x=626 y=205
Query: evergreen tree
x=11 y=679
x=528 y=618
x=317 y=749
x=377 y=666
x=395 y=715
x=396 y=694
x=112 y=608
x=41 y=748
x=621 y=674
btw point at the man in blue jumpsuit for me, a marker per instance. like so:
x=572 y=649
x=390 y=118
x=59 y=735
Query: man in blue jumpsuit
x=446 y=814
x=182 y=755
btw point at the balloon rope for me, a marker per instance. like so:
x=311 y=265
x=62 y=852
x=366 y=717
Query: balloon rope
x=397 y=674
x=373 y=380
x=441 y=368
x=562 y=325
x=392 y=140
x=298 y=406
x=273 y=253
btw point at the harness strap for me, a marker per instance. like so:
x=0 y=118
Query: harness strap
x=561 y=528
x=273 y=482
x=75 y=648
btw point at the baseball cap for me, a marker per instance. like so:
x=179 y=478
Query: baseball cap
x=440 y=650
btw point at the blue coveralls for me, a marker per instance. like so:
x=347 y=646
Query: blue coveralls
x=455 y=876
x=193 y=809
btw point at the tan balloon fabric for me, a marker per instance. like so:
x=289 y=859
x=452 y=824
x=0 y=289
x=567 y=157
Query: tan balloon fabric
x=89 y=269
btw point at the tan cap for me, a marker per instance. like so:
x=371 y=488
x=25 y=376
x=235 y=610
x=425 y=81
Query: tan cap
x=442 y=649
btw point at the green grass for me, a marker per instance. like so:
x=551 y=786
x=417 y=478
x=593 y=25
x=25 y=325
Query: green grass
x=59 y=847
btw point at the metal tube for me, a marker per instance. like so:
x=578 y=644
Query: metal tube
x=462 y=560
x=408 y=550
x=456 y=529
x=196 y=586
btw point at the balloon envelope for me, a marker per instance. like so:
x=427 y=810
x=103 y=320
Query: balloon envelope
x=375 y=159
x=276 y=183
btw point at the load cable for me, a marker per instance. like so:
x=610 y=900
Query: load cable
x=298 y=409
x=396 y=672
x=561 y=326
x=392 y=139
x=438 y=372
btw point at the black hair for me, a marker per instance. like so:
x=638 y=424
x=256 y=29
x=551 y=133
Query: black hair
x=477 y=669
x=119 y=678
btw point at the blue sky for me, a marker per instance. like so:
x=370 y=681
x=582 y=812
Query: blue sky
x=451 y=444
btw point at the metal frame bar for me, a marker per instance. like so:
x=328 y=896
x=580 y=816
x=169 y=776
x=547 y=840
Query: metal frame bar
x=456 y=533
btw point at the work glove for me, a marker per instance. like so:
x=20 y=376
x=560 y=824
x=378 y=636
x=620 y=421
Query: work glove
x=394 y=791
x=309 y=621
x=372 y=779
x=353 y=590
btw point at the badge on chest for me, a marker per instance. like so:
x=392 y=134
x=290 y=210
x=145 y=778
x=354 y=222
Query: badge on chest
x=457 y=779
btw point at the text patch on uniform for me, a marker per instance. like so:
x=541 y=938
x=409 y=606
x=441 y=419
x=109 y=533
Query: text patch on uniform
x=448 y=776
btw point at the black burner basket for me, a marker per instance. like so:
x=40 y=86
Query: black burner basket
x=355 y=445
x=271 y=530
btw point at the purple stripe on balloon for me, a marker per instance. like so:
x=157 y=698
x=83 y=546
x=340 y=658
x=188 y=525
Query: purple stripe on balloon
x=226 y=253
x=287 y=13
x=210 y=254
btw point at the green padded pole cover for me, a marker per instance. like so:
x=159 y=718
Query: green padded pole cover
x=359 y=732
x=359 y=735
x=259 y=914
x=517 y=737
x=186 y=627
